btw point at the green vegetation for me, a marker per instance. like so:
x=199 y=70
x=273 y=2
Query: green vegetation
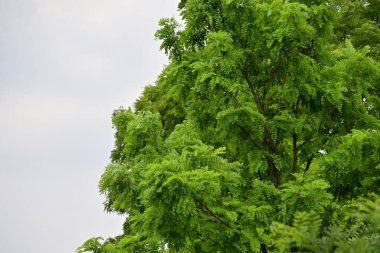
x=261 y=135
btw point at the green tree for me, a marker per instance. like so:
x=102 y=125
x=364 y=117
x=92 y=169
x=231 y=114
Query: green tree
x=265 y=123
x=359 y=21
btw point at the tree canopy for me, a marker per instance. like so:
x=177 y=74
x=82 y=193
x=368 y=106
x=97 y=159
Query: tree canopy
x=260 y=135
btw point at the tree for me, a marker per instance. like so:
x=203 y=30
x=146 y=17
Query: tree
x=359 y=20
x=265 y=121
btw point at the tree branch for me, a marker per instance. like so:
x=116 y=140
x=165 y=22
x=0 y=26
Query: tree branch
x=253 y=92
x=206 y=210
x=308 y=163
x=295 y=152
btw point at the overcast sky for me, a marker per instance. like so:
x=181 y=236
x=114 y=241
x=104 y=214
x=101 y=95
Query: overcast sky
x=65 y=65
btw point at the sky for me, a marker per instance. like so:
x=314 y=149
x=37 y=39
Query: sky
x=65 y=65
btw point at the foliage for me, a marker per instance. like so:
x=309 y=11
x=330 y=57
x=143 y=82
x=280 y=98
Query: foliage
x=261 y=135
x=306 y=235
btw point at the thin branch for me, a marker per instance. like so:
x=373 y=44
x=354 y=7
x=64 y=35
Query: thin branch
x=206 y=210
x=231 y=96
x=304 y=143
x=254 y=93
x=255 y=143
x=277 y=136
x=308 y=163
x=295 y=152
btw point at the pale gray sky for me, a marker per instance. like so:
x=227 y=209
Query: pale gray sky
x=65 y=65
